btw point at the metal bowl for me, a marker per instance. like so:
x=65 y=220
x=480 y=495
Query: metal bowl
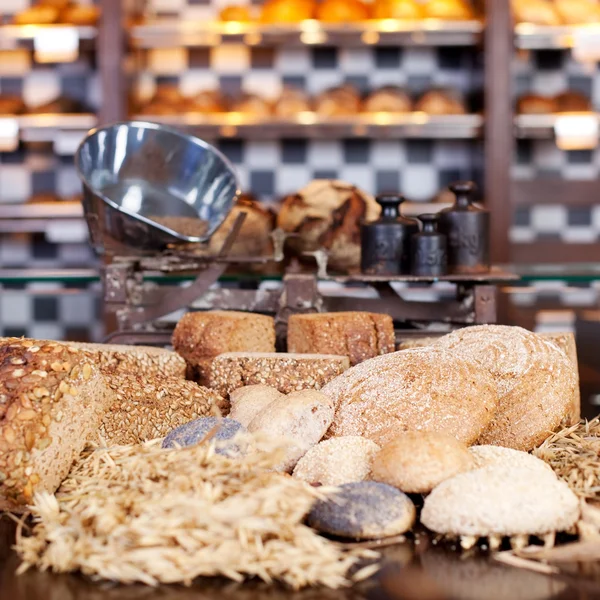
x=146 y=186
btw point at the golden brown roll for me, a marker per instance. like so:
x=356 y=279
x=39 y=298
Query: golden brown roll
x=37 y=15
x=572 y=101
x=576 y=12
x=60 y=4
x=11 y=105
x=78 y=14
x=342 y=11
x=236 y=12
x=286 y=11
x=291 y=102
x=159 y=109
x=167 y=92
x=338 y=102
x=534 y=104
x=58 y=106
x=440 y=102
x=449 y=10
x=252 y=105
x=537 y=12
x=207 y=101
x=388 y=99
x=396 y=9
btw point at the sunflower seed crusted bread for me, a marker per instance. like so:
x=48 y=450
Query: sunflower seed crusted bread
x=200 y=336
x=358 y=335
x=285 y=372
x=114 y=358
x=148 y=408
x=52 y=399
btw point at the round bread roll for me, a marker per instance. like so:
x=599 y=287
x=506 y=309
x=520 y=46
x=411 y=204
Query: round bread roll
x=60 y=4
x=388 y=99
x=536 y=12
x=327 y=214
x=78 y=14
x=534 y=104
x=338 y=102
x=578 y=12
x=206 y=102
x=252 y=105
x=291 y=102
x=572 y=101
x=250 y=401
x=302 y=418
x=58 y=106
x=424 y=389
x=440 y=102
x=342 y=11
x=159 y=108
x=11 y=105
x=449 y=10
x=417 y=461
x=536 y=384
x=501 y=501
x=236 y=12
x=37 y=15
x=494 y=456
x=337 y=461
x=362 y=511
x=397 y=9
x=286 y=11
x=167 y=92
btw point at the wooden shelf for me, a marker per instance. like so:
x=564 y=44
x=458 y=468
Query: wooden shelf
x=428 y=32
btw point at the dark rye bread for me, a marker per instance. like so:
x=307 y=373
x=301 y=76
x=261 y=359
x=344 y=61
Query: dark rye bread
x=357 y=335
x=52 y=399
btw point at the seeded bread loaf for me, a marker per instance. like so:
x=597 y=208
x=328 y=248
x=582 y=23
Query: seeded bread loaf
x=284 y=372
x=200 y=336
x=113 y=358
x=358 y=335
x=52 y=399
x=146 y=408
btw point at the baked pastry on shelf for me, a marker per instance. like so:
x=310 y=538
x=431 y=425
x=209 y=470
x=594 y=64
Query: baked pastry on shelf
x=388 y=99
x=536 y=12
x=37 y=15
x=536 y=104
x=236 y=12
x=11 y=105
x=342 y=11
x=79 y=14
x=252 y=105
x=207 y=101
x=291 y=102
x=341 y=101
x=440 y=102
x=572 y=101
x=60 y=105
x=449 y=10
x=60 y=4
x=577 y=12
x=396 y=9
x=287 y=11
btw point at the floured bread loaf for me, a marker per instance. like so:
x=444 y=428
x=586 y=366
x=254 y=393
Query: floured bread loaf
x=424 y=389
x=536 y=384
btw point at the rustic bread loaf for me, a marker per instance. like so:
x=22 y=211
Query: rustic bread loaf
x=424 y=389
x=145 y=408
x=52 y=399
x=284 y=372
x=536 y=384
x=121 y=359
x=358 y=335
x=200 y=336
x=249 y=401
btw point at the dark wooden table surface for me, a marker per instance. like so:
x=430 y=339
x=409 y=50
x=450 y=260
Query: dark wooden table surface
x=410 y=572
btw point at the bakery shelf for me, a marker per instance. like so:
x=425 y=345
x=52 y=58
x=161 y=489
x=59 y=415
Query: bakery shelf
x=13 y=37
x=537 y=126
x=309 y=125
x=428 y=32
x=542 y=37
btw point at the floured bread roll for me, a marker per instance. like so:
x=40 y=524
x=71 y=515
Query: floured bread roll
x=425 y=389
x=536 y=384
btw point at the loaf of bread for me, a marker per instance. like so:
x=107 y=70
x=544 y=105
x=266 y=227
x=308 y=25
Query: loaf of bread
x=236 y=12
x=291 y=102
x=342 y=11
x=440 y=102
x=449 y=10
x=79 y=14
x=205 y=102
x=358 y=335
x=252 y=105
x=284 y=372
x=11 y=105
x=572 y=101
x=327 y=214
x=37 y=15
x=52 y=400
x=397 y=9
x=425 y=389
x=284 y=11
x=535 y=104
x=388 y=99
x=537 y=12
x=537 y=386
x=200 y=336
x=123 y=360
x=340 y=101
x=578 y=12
x=148 y=407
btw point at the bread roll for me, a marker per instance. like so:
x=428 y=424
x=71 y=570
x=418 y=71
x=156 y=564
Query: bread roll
x=37 y=15
x=577 y=12
x=425 y=389
x=388 y=99
x=286 y=11
x=207 y=101
x=536 y=12
x=236 y=12
x=338 y=102
x=291 y=102
x=59 y=106
x=397 y=9
x=60 y=4
x=440 y=102
x=572 y=101
x=359 y=335
x=52 y=400
x=78 y=14
x=252 y=105
x=327 y=214
x=534 y=104
x=342 y=11
x=11 y=105
x=251 y=400
x=450 y=10
x=536 y=384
